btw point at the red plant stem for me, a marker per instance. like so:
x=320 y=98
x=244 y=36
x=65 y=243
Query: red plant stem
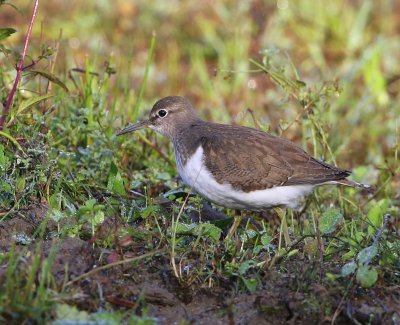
x=19 y=68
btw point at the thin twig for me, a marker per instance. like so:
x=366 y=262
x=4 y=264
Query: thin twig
x=286 y=250
x=382 y=186
x=54 y=59
x=19 y=68
x=175 y=223
x=320 y=251
x=386 y=219
x=107 y=266
x=152 y=145
x=345 y=295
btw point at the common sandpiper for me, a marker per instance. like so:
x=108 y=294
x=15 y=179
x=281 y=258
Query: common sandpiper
x=238 y=167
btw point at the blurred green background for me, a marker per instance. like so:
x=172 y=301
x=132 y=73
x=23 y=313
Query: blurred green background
x=354 y=42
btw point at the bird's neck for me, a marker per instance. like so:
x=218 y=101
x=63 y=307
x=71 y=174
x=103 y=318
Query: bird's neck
x=187 y=138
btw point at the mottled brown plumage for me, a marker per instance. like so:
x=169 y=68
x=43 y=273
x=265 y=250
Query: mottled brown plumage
x=247 y=159
x=250 y=160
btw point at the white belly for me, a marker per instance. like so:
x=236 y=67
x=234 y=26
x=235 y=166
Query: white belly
x=195 y=174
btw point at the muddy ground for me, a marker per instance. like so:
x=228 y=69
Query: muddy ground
x=294 y=296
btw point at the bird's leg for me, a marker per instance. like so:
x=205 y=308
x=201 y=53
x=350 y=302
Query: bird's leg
x=284 y=227
x=236 y=222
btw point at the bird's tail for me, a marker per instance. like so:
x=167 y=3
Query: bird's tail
x=364 y=187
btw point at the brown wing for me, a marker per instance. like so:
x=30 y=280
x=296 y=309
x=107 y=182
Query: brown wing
x=250 y=160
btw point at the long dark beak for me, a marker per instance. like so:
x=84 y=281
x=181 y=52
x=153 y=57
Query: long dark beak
x=134 y=127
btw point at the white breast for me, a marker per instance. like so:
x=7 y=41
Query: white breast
x=195 y=174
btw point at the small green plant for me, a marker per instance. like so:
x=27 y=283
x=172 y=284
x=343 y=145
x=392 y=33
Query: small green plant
x=363 y=266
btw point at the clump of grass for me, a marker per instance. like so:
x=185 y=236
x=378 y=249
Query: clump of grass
x=26 y=285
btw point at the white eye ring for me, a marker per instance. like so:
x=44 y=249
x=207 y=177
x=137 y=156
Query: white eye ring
x=162 y=113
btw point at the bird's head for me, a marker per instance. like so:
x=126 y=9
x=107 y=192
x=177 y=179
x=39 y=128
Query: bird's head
x=166 y=117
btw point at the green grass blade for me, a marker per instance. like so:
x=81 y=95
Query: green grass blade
x=146 y=74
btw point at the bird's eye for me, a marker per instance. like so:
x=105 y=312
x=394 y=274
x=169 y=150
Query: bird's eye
x=162 y=113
